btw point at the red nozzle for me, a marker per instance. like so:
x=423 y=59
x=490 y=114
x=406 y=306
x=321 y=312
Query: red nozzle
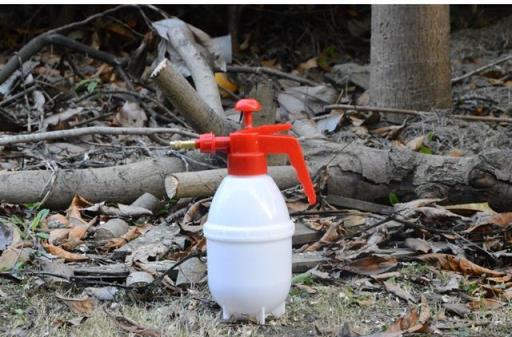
x=248 y=148
x=247 y=106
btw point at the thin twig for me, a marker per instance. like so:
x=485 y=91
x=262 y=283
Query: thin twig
x=414 y=113
x=96 y=130
x=481 y=69
x=270 y=71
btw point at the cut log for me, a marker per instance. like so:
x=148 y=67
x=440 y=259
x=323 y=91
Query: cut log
x=302 y=262
x=370 y=174
x=304 y=234
x=205 y=183
x=121 y=184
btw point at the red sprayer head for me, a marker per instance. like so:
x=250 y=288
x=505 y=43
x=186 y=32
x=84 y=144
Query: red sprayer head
x=247 y=149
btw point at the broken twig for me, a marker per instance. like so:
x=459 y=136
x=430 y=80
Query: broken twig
x=482 y=68
x=415 y=113
x=272 y=72
x=95 y=130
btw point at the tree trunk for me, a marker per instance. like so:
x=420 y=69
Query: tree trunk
x=410 y=65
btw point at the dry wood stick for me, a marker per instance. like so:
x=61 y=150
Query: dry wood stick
x=482 y=68
x=272 y=72
x=194 y=109
x=204 y=183
x=95 y=130
x=415 y=113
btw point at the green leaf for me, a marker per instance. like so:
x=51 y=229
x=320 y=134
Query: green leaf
x=425 y=149
x=89 y=84
x=39 y=217
x=393 y=198
x=43 y=235
x=33 y=205
x=304 y=278
x=92 y=86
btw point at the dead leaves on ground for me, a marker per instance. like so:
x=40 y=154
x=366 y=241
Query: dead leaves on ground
x=458 y=264
x=132 y=327
x=83 y=306
x=371 y=265
x=413 y=321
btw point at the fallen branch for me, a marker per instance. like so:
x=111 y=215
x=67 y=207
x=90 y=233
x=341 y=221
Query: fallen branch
x=479 y=70
x=120 y=184
x=182 y=39
x=205 y=183
x=195 y=111
x=37 y=43
x=95 y=130
x=369 y=174
x=271 y=72
x=415 y=113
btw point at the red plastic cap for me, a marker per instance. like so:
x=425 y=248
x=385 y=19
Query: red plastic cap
x=248 y=105
x=248 y=148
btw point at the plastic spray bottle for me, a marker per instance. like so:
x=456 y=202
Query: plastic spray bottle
x=249 y=230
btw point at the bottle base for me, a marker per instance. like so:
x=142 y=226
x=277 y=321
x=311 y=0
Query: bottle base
x=259 y=317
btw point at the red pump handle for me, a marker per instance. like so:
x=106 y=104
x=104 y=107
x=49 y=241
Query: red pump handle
x=271 y=143
x=289 y=145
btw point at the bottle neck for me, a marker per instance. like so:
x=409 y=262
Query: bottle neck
x=247 y=164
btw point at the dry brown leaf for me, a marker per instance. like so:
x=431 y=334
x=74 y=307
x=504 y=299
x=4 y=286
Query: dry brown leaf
x=485 y=304
x=330 y=235
x=57 y=235
x=133 y=233
x=458 y=264
x=56 y=221
x=412 y=322
x=418 y=245
x=415 y=143
x=82 y=306
x=59 y=252
x=385 y=276
x=76 y=206
x=371 y=265
x=78 y=232
x=456 y=153
x=470 y=209
x=137 y=329
x=309 y=64
x=389 y=132
x=398 y=291
x=502 y=219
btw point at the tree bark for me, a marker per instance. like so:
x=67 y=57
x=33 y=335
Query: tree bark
x=410 y=64
x=122 y=184
x=371 y=174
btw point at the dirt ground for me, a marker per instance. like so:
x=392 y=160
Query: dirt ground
x=321 y=310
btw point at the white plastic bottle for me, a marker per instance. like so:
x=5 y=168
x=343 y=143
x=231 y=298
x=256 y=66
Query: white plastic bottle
x=249 y=231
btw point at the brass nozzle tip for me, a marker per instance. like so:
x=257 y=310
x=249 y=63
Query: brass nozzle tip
x=183 y=144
